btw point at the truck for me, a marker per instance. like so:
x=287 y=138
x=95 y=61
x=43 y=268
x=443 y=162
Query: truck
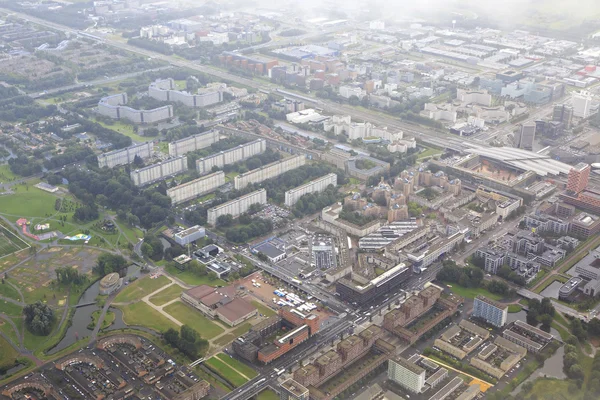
x=296 y=281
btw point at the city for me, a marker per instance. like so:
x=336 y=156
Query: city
x=363 y=201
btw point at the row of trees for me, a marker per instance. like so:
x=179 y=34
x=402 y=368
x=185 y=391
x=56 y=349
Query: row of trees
x=69 y=276
x=255 y=227
x=108 y=263
x=541 y=312
x=466 y=277
x=313 y=202
x=187 y=340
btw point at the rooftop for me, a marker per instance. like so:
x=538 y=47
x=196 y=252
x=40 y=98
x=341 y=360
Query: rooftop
x=236 y=309
x=492 y=302
x=414 y=368
x=269 y=250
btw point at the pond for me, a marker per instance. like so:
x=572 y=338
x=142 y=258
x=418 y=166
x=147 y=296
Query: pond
x=83 y=314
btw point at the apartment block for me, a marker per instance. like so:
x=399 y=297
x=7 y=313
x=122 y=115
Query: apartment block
x=160 y=171
x=242 y=152
x=165 y=90
x=491 y=311
x=268 y=171
x=195 y=188
x=317 y=185
x=237 y=207
x=193 y=143
x=406 y=374
x=125 y=156
x=115 y=108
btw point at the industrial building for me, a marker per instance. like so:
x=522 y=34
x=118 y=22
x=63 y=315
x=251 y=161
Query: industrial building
x=239 y=153
x=193 y=143
x=165 y=90
x=406 y=374
x=114 y=107
x=236 y=207
x=125 y=156
x=195 y=188
x=189 y=235
x=268 y=171
x=160 y=171
x=491 y=311
x=317 y=185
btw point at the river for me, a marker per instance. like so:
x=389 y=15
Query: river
x=83 y=315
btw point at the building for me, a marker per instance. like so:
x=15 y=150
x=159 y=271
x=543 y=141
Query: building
x=493 y=258
x=268 y=171
x=406 y=374
x=589 y=266
x=292 y=390
x=160 y=171
x=578 y=177
x=193 y=143
x=525 y=137
x=563 y=113
x=273 y=253
x=527 y=336
x=125 y=156
x=164 y=90
x=363 y=167
x=242 y=152
x=114 y=107
x=220 y=303
x=582 y=104
x=195 y=188
x=491 y=311
x=236 y=207
x=366 y=290
x=316 y=185
x=110 y=283
x=189 y=235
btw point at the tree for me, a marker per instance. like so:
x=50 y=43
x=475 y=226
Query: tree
x=137 y=161
x=578 y=330
x=225 y=220
x=39 y=318
x=212 y=276
x=108 y=263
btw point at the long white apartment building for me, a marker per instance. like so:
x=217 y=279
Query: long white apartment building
x=165 y=90
x=125 y=156
x=268 y=171
x=359 y=130
x=239 y=153
x=157 y=172
x=114 y=107
x=195 y=188
x=237 y=207
x=193 y=143
x=317 y=185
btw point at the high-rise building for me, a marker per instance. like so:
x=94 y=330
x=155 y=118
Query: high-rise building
x=563 y=113
x=525 y=137
x=493 y=312
x=578 y=177
x=292 y=390
x=582 y=104
x=406 y=374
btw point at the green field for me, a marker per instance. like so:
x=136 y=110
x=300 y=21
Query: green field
x=10 y=309
x=164 y=296
x=109 y=318
x=6 y=174
x=514 y=308
x=264 y=310
x=225 y=371
x=267 y=394
x=7 y=329
x=241 y=367
x=471 y=293
x=124 y=129
x=237 y=332
x=140 y=288
x=429 y=152
x=193 y=279
x=9 y=242
x=27 y=201
x=8 y=291
x=142 y=314
x=8 y=354
x=192 y=317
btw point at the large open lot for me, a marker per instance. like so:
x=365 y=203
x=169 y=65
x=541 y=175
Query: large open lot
x=141 y=314
x=9 y=242
x=140 y=288
x=231 y=370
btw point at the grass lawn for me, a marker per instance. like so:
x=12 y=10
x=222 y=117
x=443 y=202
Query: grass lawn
x=27 y=201
x=109 y=318
x=141 y=314
x=429 y=152
x=564 y=333
x=237 y=332
x=189 y=316
x=264 y=310
x=471 y=293
x=8 y=291
x=7 y=353
x=125 y=129
x=225 y=371
x=514 y=308
x=551 y=389
x=231 y=175
x=8 y=330
x=141 y=288
x=164 y=296
x=239 y=366
x=193 y=279
x=10 y=309
x=6 y=174
x=267 y=394
x=10 y=242
x=560 y=319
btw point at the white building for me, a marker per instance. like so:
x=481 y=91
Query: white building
x=493 y=312
x=316 y=185
x=439 y=112
x=239 y=153
x=189 y=235
x=481 y=97
x=195 y=188
x=164 y=90
x=125 y=156
x=193 y=143
x=236 y=207
x=268 y=171
x=304 y=116
x=338 y=123
x=402 y=145
x=358 y=130
x=349 y=91
x=582 y=104
x=377 y=25
x=157 y=172
x=406 y=374
x=114 y=107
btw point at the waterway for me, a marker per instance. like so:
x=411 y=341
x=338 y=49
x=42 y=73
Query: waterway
x=83 y=315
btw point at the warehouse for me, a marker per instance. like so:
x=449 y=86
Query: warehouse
x=157 y=172
x=195 y=188
x=193 y=143
x=268 y=171
x=239 y=153
x=238 y=206
x=317 y=185
x=125 y=156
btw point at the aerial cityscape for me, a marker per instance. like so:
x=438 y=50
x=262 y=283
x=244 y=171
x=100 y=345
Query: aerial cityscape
x=358 y=200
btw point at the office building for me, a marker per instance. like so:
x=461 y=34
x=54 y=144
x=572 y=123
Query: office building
x=196 y=188
x=491 y=311
x=236 y=207
x=193 y=143
x=292 y=390
x=362 y=293
x=317 y=185
x=125 y=156
x=563 y=113
x=406 y=374
x=268 y=171
x=160 y=171
x=189 y=235
x=114 y=107
x=582 y=104
x=578 y=177
x=239 y=153
x=164 y=90
x=525 y=137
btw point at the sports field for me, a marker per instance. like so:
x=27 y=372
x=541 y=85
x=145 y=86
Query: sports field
x=9 y=242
